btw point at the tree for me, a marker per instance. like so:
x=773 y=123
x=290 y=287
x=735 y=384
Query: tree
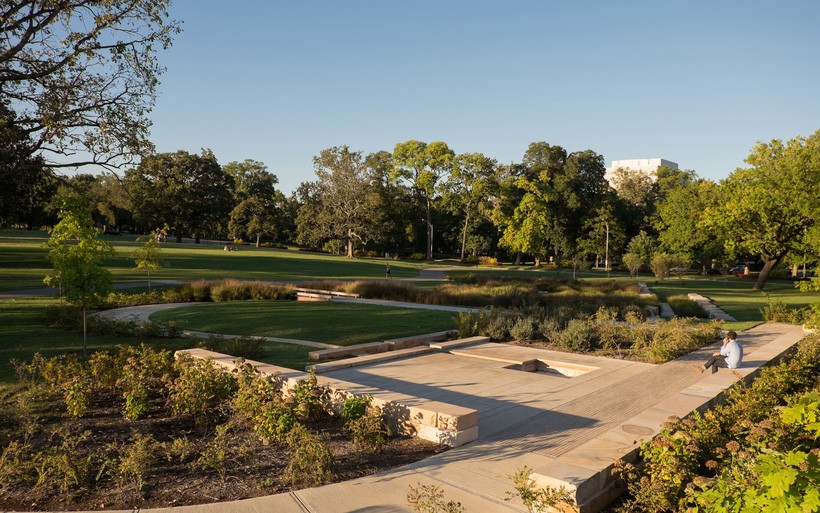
x=27 y=184
x=768 y=208
x=340 y=201
x=77 y=253
x=147 y=257
x=423 y=166
x=259 y=207
x=468 y=186
x=191 y=194
x=83 y=74
x=679 y=223
x=642 y=245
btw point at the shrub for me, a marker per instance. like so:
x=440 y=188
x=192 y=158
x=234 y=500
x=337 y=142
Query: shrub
x=539 y=499
x=550 y=329
x=63 y=466
x=579 y=335
x=685 y=307
x=522 y=329
x=418 y=256
x=633 y=263
x=76 y=393
x=251 y=348
x=201 y=389
x=309 y=397
x=485 y=260
x=224 y=451
x=680 y=336
x=498 y=328
x=136 y=458
x=430 y=499
x=369 y=431
x=145 y=372
x=311 y=461
x=273 y=421
x=355 y=407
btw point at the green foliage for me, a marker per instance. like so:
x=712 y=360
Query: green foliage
x=522 y=328
x=224 y=451
x=310 y=397
x=766 y=479
x=662 y=264
x=538 y=500
x=355 y=407
x=136 y=458
x=62 y=467
x=369 y=430
x=642 y=245
x=147 y=257
x=76 y=393
x=144 y=374
x=579 y=335
x=748 y=444
x=311 y=461
x=678 y=337
x=430 y=499
x=685 y=307
x=202 y=389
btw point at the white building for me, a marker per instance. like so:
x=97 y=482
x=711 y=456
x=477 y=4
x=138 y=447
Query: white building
x=648 y=166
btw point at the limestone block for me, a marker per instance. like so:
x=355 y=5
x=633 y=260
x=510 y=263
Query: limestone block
x=448 y=438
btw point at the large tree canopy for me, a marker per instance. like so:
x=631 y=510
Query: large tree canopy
x=82 y=75
x=424 y=166
x=189 y=194
x=769 y=208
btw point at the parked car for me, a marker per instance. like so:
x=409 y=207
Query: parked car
x=738 y=269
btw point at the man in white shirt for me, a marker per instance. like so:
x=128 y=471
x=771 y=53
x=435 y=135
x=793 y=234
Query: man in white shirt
x=730 y=355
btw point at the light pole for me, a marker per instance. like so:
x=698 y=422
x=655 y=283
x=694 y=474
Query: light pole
x=606 y=253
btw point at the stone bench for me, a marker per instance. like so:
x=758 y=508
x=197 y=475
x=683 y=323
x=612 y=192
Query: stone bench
x=367 y=359
x=435 y=421
x=325 y=292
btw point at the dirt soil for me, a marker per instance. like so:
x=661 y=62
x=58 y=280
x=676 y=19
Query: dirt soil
x=174 y=477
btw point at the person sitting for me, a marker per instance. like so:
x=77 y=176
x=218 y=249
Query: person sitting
x=729 y=357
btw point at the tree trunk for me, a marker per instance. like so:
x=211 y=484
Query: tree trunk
x=517 y=258
x=537 y=262
x=85 y=334
x=197 y=236
x=179 y=238
x=464 y=236
x=149 y=281
x=428 y=218
x=258 y=238
x=349 y=243
x=764 y=273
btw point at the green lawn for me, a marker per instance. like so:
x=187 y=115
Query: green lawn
x=329 y=322
x=23 y=263
x=735 y=295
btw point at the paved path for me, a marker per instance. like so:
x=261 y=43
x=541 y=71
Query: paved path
x=19 y=294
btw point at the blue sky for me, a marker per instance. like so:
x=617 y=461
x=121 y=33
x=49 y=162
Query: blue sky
x=694 y=82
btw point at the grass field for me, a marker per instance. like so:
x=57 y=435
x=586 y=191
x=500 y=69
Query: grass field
x=23 y=263
x=329 y=322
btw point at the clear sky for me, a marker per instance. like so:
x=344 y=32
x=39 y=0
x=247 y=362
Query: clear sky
x=695 y=82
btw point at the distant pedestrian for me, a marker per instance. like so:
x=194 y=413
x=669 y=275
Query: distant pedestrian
x=387 y=272
x=730 y=355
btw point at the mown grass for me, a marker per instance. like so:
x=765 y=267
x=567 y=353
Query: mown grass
x=329 y=322
x=23 y=263
x=735 y=295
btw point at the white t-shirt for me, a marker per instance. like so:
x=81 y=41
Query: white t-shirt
x=733 y=352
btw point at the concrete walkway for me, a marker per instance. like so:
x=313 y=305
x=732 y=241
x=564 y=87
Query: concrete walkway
x=568 y=430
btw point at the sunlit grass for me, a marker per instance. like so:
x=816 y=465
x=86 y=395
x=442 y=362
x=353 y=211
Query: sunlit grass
x=329 y=322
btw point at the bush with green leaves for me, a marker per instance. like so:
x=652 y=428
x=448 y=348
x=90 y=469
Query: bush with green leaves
x=685 y=307
x=370 y=431
x=538 y=500
x=739 y=442
x=225 y=450
x=579 y=335
x=355 y=407
x=202 y=389
x=311 y=461
x=135 y=458
x=430 y=499
x=144 y=375
x=522 y=329
x=309 y=398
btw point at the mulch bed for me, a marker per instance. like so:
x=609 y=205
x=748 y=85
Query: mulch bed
x=173 y=480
